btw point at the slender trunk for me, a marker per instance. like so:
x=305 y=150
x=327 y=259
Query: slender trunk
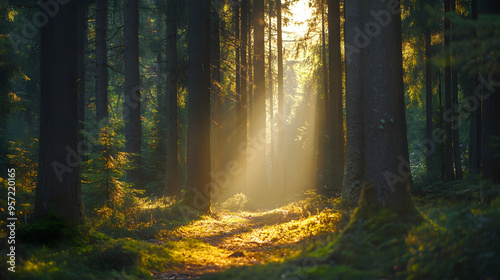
x=250 y=84
x=428 y=95
x=325 y=143
x=442 y=160
x=271 y=91
x=475 y=122
x=58 y=191
x=455 y=124
x=101 y=53
x=260 y=177
x=82 y=42
x=353 y=177
x=172 y=178
x=448 y=153
x=132 y=96
x=198 y=183
x=216 y=93
x=241 y=88
x=281 y=103
x=335 y=97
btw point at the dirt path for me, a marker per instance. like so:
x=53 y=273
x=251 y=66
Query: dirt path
x=245 y=238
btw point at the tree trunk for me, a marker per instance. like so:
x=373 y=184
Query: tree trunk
x=428 y=96
x=58 y=192
x=336 y=119
x=281 y=103
x=82 y=43
x=132 y=96
x=353 y=178
x=475 y=122
x=260 y=185
x=101 y=53
x=242 y=106
x=455 y=124
x=448 y=152
x=490 y=154
x=272 y=169
x=172 y=178
x=386 y=147
x=325 y=141
x=216 y=93
x=198 y=180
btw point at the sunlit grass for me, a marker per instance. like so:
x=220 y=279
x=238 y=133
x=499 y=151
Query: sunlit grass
x=159 y=241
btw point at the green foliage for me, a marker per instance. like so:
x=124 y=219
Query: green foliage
x=104 y=171
x=455 y=238
x=114 y=256
x=237 y=203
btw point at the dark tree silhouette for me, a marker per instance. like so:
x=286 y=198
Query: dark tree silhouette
x=198 y=147
x=132 y=95
x=58 y=191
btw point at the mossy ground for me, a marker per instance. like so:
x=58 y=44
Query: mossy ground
x=454 y=232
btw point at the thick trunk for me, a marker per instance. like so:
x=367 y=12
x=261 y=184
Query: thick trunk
x=198 y=180
x=490 y=154
x=132 y=95
x=336 y=120
x=101 y=53
x=172 y=178
x=353 y=178
x=448 y=151
x=386 y=147
x=58 y=192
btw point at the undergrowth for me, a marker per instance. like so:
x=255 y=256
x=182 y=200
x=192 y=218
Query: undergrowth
x=454 y=235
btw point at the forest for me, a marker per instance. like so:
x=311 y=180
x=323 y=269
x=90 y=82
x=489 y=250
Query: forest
x=250 y=139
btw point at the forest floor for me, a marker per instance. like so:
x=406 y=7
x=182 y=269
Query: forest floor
x=245 y=238
x=309 y=236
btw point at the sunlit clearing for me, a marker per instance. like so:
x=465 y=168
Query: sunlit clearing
x=266 y=178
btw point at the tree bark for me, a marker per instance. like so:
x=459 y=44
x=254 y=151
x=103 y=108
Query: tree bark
x=172 y=178
x=272 y=169
x=58 y=192
x=475 y=122
x=281 y=103
x=259 y=179
x=455 y=124
x=216 y=93
x=386 y=160
x=448 y=152
x=353 y=178
x=241 y=87
x=132 y=95
x=101 y=53
x=198 y=180
x=325 y=141
x=490 y=153
x=335 y=87
x=82 y=43
x=428 y=96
